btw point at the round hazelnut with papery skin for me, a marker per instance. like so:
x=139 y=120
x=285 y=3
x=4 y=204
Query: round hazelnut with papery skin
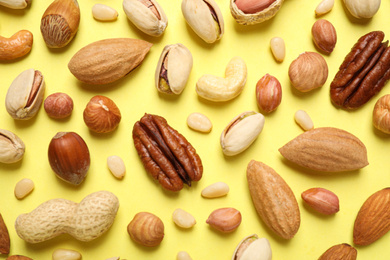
x=58 y=105
x=381 y=114
x=101 y=115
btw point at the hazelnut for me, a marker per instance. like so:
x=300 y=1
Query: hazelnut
x=146 y=229
x=268 y=93
x=381 y=115
x=69 y=157
x=324 y=35
x=58 y=105
x=308 y=71
x=101 y=115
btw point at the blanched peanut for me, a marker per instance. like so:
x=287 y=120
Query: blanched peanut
x=116 y=166
x=183 y=219
x=103 y=12
x=303 y=120
x=183 y=255
x=66 y=254
x=23 y=188
x=278 y=48
x=215 y=190
x=199 y=122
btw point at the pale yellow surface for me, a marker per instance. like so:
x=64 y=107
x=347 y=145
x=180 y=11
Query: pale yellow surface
x=136 y=94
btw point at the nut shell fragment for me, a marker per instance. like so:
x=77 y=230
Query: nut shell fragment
x=254 y=18
x=11 y=147
x=253 y=248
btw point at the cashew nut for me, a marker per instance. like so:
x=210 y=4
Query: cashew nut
x=219 y=89
x=16 y=46
x=15 y=4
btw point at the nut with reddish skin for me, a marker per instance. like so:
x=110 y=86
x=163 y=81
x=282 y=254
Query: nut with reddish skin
x=146 y=229
x=253 y=6
x=381 y=115
x=268 y=93
x=321 y=200
x=324 y=35
x=101 y=115
x=69 y=157
x=225 y=220
x=58 y=105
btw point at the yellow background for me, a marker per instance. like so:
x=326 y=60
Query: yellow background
x=136 y=94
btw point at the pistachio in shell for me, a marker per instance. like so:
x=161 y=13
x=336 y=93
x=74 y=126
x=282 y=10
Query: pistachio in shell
x=173 y=69
x=252 y=16
x=11 y=147
x=253 y=248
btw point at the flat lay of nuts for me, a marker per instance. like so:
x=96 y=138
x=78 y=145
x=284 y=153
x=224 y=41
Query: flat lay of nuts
x=94 y=63
x=102 y=12
x=146 y=229
x=15 y=4
x=60 y=23
x=205 y=19
x=268 y=93
x=85 y=221
x=362 y=9
x=215 y=190
x=341 y=251
x=146 y=15
x=363 y=73
x=4 y=237
x=326 y=149
x=199 y=122
x=253 y=248
x=249 y=12
x=69 y=157
x=23 y=188
x=373 y=219
x=166 y=155
x=25 y=95
x=278 y=48
x=220 y=89
x=58 y=105
x=325 y=6
x=65 y=254
x=303 y=119
x=380 y=115
x=322 y=200
x=12 y=148
x=173 y=69
x=183 y=219
x=309 y=71
x=116 y=166
x=324 y=35
x=241 y=132
x=183 y=255
x=18 y=45
x=101 y=114
x=273 y=199
x=225 y=220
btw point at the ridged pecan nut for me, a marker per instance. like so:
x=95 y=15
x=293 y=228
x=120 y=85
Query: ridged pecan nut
x=363 y=73
x=165 y=153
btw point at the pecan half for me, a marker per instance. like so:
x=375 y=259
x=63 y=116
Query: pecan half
x=165 y=153
x=363 y=73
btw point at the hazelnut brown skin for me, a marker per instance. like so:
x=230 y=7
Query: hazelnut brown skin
x=146 y=229
x=58 y=105
x=381 y=115
x=69 y=157
x=101 y=115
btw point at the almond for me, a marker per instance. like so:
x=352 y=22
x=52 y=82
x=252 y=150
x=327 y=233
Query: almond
x=4 y=238
x=273 y=199
x=108 y=60
x=326 y=149
x=373 y=220
x=321 y=200
x=341 y=251
x=324 y=35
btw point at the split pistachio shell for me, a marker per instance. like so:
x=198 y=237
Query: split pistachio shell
x=173 y=69
x=146 y=15
x=103 y=12
x=253 y=248
x=205 y=19
x=241 y=132
x=25 y=95
x=11 y=147
x=255 y=18
x=220 y=89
